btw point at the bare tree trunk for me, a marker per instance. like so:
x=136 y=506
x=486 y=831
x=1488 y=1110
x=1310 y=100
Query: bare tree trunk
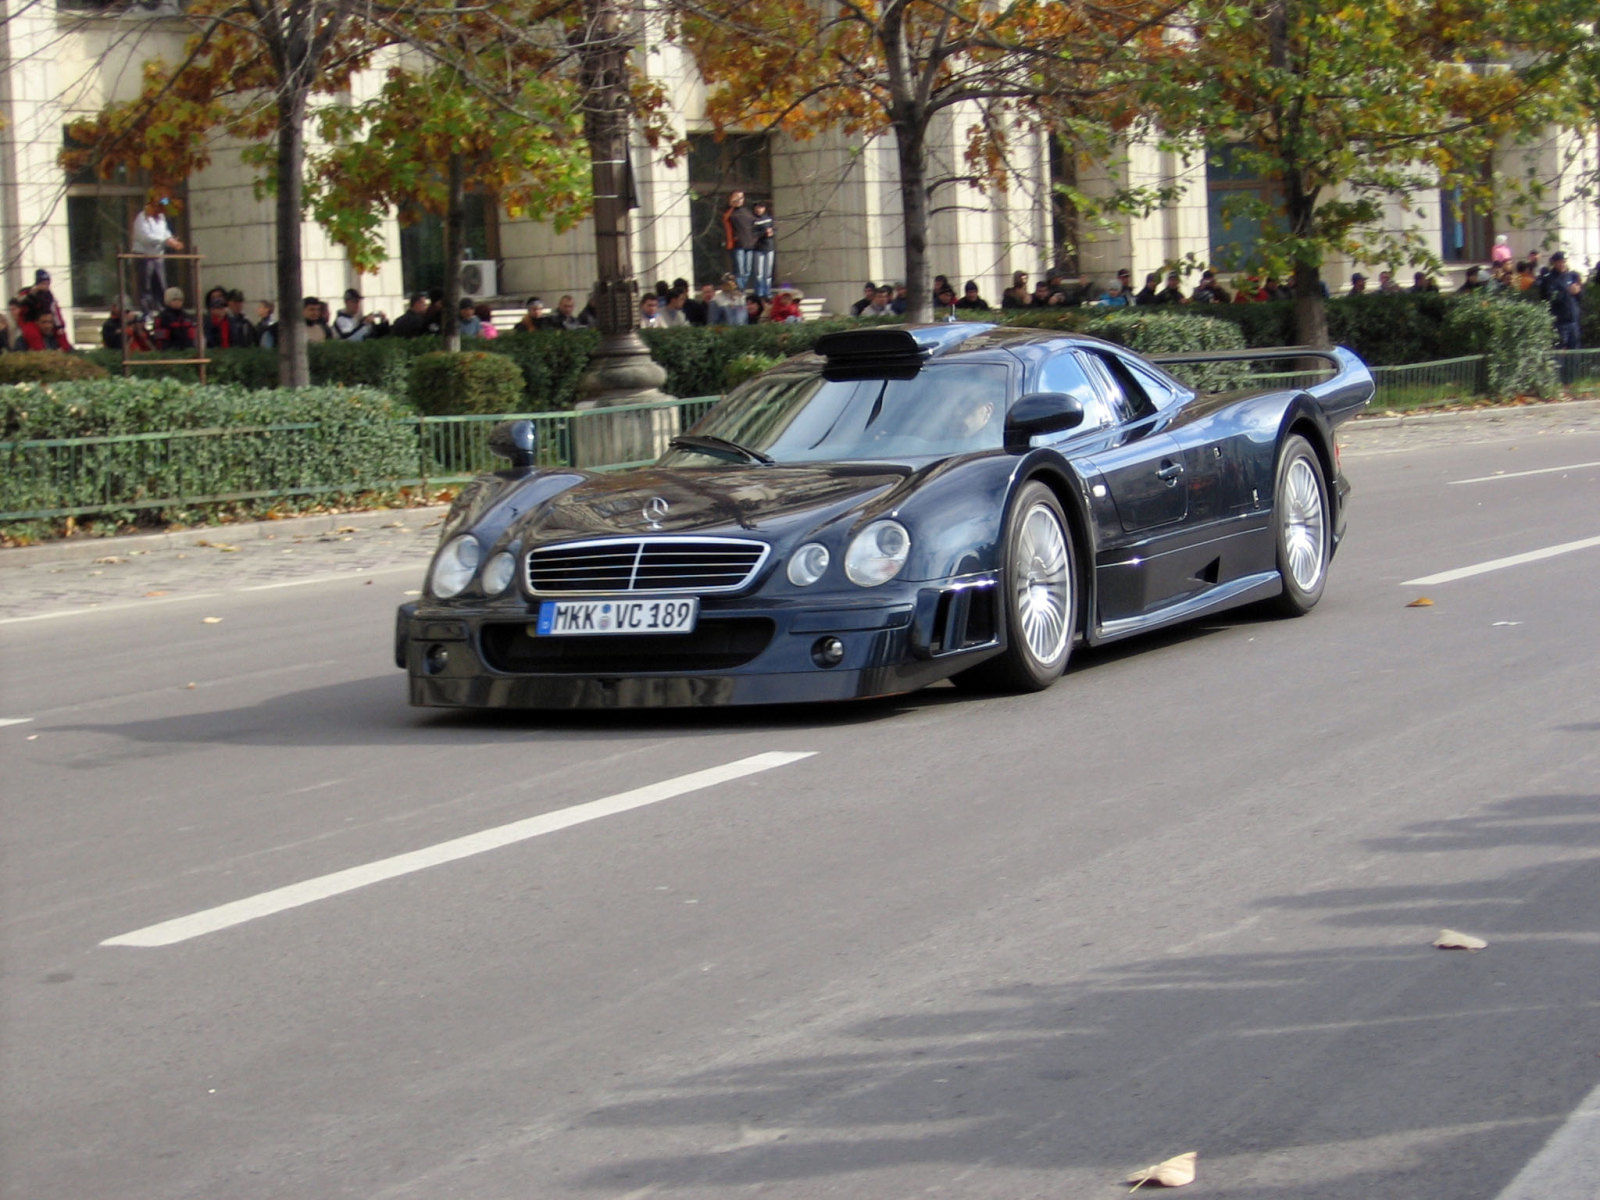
x=911 y=128
x=294 y=367
x=455 y=220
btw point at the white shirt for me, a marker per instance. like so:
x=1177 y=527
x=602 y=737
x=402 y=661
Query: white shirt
x=150 y=234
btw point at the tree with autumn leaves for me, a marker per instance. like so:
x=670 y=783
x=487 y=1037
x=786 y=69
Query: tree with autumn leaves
x=1351 y=110
x=869 y=68
x=482 y=104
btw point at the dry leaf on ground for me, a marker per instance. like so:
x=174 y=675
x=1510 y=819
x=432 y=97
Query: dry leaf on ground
x=1449 y=939
x=157 y=593
x=1421 y=602
x=1174 y=1172
x=211 y=620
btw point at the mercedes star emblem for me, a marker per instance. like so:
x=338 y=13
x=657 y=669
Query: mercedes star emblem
x=654 y=511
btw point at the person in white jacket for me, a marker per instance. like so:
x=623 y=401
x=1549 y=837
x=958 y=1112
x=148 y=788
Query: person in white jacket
x=152 y=237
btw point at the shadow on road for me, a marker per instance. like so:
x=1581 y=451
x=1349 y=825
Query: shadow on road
x=1295 y=1073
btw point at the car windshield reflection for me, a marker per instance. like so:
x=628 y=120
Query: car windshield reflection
x=796 y=417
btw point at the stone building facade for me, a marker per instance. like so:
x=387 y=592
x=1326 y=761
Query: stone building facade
x=835 y=201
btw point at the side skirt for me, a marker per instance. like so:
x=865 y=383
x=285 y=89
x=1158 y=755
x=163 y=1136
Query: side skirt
x=1236 y=592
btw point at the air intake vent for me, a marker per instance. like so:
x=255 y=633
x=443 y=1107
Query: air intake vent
x=654 y=565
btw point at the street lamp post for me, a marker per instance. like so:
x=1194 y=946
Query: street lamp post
x=622 y=371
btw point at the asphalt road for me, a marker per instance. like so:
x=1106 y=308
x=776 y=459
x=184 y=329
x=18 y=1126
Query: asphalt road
x=1011 y=947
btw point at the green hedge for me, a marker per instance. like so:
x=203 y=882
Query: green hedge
x=46 y=366
x=445 y=384
x=1513 y=336
x=348 y=441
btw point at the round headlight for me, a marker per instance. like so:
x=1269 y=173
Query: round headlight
x=808 y=564
x=453 y=569
x=497 y=573
x=877 y=553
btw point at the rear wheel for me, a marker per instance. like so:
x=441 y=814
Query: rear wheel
x=1301 y=522
x=1038 y=583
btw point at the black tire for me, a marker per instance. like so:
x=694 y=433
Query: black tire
x=1038 y=600
x=1302 y=524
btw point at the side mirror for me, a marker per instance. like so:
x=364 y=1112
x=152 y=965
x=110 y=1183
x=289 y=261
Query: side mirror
x=1041 y=412
x=517 y=441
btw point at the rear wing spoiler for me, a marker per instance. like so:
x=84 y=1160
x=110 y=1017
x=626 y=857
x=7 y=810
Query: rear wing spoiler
x=1343 y=394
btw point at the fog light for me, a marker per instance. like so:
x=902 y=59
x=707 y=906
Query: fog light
x=827 y=652
x=435 y=659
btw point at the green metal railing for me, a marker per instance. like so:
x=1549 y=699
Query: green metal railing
x=178 y=468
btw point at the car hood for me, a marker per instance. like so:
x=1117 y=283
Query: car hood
x=769 y=501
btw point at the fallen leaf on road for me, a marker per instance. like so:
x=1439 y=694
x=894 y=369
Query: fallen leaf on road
x=212 y=620
x=189 y=686
x=345 y=529
x=1421 y=602
x=367 y=582
x=1449 y=939
x=224 y=547
x=1174 y=1172
x=110 y=558
x=155 y=593
x=1498 y=624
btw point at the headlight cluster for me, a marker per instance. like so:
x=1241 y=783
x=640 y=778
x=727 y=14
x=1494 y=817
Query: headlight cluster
x=875 y=556
x=458 y=561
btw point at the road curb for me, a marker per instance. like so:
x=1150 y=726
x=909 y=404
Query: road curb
x=47 y=553
x=1504 y=412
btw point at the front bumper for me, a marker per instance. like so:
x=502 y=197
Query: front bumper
x=752 y=651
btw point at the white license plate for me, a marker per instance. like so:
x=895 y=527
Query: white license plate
x=559 y=618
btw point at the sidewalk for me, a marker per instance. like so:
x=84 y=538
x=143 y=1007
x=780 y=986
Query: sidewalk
x=95 y=572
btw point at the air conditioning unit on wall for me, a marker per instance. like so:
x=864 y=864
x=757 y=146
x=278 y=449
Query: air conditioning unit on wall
x=478 y=278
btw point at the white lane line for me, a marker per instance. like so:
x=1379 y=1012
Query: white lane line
x=181 y=929
x=1569 y=1164
x=1523 y=474
x=1498 y=564
x=152 y=601
x=4 y=721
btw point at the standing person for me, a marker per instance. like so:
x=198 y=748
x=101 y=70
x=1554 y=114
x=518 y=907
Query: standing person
x=1358 y=284
x=1561 y=289
x=675 y=311
x=152 y=237
x=218 y=331
x=785 y=307
x=353 y=325
x=316 y=321
x=534 y=318
x=266 y=326
x=467 y=318
x=1501 y=252
x=111 y=330
x=766 y=246
x=650 y=312
x=1017 y=295
x=485 y=314
x=868 y=290
x=173 y=328
x=727 y=306
x=414 y=321
x=1148 y=293
x=241 y=330
x=755 y=309
x=42 y=333
x=1387 y=285
x=41 y=298
x=135 y=337
x=566 y=316
x=698 y=308
x=738 y=223
x=970 y=299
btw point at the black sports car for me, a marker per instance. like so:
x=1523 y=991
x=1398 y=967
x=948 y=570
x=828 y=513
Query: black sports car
x=904 y=505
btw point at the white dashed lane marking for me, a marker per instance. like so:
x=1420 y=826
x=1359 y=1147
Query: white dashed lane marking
x=1499 y=564
x=210 y=920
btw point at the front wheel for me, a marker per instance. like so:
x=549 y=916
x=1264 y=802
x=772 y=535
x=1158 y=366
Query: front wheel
x=1300 y=520
x=1039 y=585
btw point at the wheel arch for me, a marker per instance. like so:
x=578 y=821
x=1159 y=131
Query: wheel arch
x=1302 y=419
x=1074 y=506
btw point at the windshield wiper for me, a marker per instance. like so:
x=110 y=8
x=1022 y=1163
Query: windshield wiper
x=721 y=447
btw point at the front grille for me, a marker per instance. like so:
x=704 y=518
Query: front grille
x=655 y=565
x=717 y=644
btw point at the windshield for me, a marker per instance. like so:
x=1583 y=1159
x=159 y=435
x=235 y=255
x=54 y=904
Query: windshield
x=946 y=408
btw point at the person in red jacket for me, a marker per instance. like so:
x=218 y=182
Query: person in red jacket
x=41 y=333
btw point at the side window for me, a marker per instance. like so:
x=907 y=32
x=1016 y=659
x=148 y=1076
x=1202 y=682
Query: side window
x=1064 y=373
x=1107 y=384
x=1162 y=391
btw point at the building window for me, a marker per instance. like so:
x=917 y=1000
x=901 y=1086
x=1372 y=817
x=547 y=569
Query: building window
x=1465 y=234
x=122 y=8
x=1239 y=205
x=422 y=242
x=100 y=216
x=740 y=162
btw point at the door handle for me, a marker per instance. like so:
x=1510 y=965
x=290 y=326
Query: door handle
x=1168 y=472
